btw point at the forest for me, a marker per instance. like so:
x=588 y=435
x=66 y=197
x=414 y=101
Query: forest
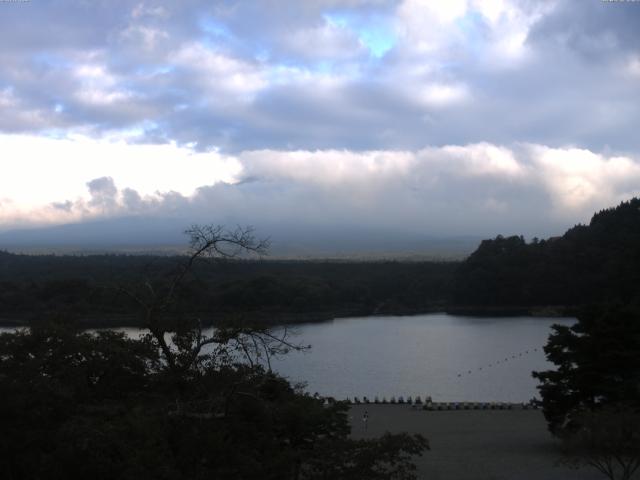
x=269 y=290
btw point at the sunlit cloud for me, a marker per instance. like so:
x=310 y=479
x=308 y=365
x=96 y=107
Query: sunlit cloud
x=531 y=188
x=580 y=179
x=40 y=170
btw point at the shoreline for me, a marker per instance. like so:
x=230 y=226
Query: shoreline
x=275 y=319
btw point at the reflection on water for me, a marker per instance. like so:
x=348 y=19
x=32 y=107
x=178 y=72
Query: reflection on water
x=447 y=357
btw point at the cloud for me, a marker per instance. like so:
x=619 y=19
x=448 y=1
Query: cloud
x=579 y=179
x=220 y=75
x=463 y=116
x=328 y=41
x=595 y=30
x=480 y=189
x=356 y=75
x=38 y=170
x=103 y=193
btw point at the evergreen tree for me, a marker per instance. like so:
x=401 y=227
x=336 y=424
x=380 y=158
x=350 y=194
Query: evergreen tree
x=597 y=364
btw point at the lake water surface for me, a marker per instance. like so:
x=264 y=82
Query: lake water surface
x=448 y=357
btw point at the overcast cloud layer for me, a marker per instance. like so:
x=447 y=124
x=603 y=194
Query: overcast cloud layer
x=449 y=117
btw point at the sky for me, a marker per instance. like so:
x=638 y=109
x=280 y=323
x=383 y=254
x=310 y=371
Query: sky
x=457 y=117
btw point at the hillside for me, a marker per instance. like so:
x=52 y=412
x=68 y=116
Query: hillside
x=599 y=262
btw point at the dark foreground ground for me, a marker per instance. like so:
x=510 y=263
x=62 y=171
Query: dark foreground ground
x=474 y=444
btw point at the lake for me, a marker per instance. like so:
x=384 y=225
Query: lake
x=450 y=358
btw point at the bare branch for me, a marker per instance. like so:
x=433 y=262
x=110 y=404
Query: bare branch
x=213 y=241
x=133 y=297
x=208 y=241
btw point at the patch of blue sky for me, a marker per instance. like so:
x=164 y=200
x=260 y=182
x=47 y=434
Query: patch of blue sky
x=337 y=19
x=216 y=36
x=323 y=67
x=215 y=28
x=285 y=72
x=377 y=41
x=262 y=54
x=55 y=133
x=374 y=31
x=50 y=60
x=154 y=70
x=140 y=129
x=472 y=25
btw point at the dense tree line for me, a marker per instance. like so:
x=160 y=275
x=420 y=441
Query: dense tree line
x=588 y=264
x=88 y=286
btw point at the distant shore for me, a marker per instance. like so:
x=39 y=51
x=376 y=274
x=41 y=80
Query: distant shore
x=512 y=311
x=279 y=318
x=474 y=444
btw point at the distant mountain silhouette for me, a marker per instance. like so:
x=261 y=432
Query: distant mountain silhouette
x=155 y=234
x=591 y=263
x=116 y=232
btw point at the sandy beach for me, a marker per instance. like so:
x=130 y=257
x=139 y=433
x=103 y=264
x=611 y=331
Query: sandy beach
x=474 y=444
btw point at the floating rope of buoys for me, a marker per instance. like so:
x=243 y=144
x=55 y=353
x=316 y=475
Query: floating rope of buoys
x=500 y=362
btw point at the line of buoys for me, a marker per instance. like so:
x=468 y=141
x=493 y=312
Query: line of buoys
x=499 y=362
x=479 y=406
x=430 y=405
x=400 y=400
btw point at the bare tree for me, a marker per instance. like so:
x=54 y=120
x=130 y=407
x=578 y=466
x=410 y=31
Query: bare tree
x=181 y=338
x=607 y=439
